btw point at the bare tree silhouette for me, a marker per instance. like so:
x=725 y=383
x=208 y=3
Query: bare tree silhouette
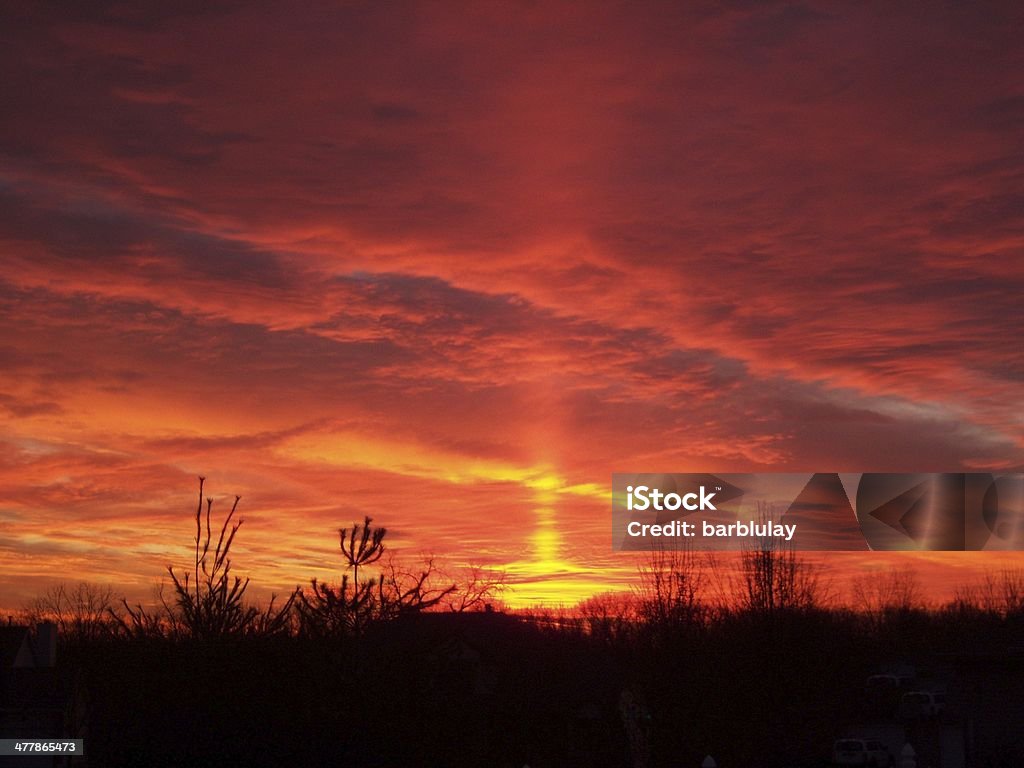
x=773 y=578
x=478 y=587
x=81 y=613
x=670 y=589
x=881 y=596
x=998 y=592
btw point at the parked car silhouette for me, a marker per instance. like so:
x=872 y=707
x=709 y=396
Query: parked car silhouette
x=865 y=752
x=915 y=704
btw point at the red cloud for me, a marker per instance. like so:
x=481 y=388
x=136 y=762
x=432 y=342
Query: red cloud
x=465 y=248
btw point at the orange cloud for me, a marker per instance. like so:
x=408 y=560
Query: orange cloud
x=538 y=246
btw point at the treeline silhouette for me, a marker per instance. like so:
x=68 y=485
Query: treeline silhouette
x=752 y=660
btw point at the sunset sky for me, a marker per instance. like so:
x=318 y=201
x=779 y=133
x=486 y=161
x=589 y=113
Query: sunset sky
x=453 y=264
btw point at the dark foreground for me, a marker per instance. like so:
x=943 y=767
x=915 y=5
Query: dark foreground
x=490 y=689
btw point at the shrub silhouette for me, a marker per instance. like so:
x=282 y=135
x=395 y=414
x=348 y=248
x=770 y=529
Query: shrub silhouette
x=208 y=601
x=351 y=606
x=368 y=549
